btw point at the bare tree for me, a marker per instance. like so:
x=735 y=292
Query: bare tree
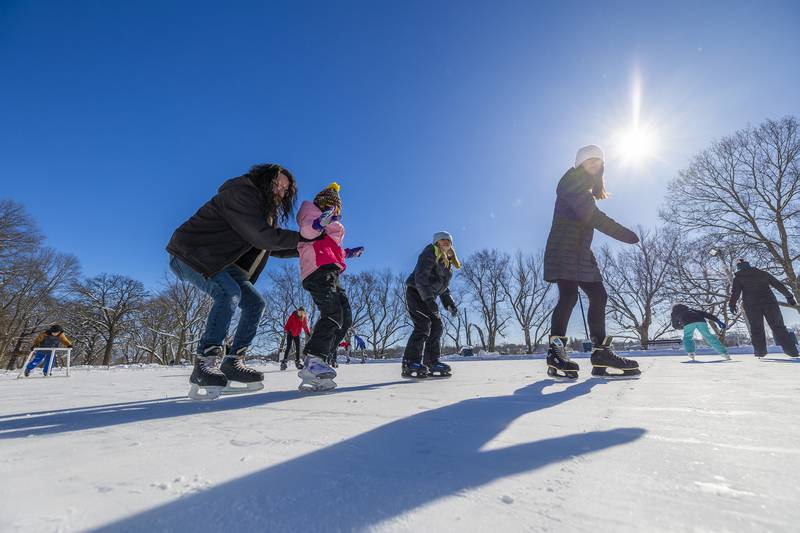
x=108 y=302
x=745 y=189
x=484 y=273
x=188 y=308
x=529 y=296
x=384 y=316
x=284 y=295
x=636 y=279
x=701 y=276
x=456 y=326
x=33 y=296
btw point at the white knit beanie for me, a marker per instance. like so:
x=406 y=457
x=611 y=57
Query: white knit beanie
x=439 y=235
x=588 y=152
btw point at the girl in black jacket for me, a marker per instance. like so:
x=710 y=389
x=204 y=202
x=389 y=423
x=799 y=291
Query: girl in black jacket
x=569 y=262
x=431 y=278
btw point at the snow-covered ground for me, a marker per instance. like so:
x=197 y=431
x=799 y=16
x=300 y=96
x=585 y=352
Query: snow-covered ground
x=705 y=446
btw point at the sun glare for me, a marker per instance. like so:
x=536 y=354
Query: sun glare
x=638 y=142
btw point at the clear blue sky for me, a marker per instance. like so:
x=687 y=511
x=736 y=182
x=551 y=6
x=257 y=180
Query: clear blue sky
x=119 y=119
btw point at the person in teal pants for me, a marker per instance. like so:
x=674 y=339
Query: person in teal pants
x=691 y=320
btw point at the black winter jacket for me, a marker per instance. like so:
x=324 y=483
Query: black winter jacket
x=232 y=228
x=755 y=286
x=683 y=315
x=431 y=278
x=568 y=254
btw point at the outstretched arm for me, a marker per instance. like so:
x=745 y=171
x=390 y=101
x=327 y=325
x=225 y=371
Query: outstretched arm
x=585 y=208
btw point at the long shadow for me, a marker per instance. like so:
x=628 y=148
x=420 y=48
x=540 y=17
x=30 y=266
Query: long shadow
x=712 y=362
x=99 y=416
x=772 y=360
x=378 y=475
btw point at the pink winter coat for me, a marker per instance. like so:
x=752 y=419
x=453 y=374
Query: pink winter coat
x=326 y=251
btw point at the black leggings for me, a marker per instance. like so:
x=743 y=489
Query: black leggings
x=291 y=339
x=568 y=297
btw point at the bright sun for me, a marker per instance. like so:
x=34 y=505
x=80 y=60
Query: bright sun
x=637 y=144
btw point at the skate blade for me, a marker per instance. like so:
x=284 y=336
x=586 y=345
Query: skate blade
x=323 y=385
x=441 y=375
x=560 y=375
x=611 y=372
x=210 y=393
x=249 y=387
x=411 y=375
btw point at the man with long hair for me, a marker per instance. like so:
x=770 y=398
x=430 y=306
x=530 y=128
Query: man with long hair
x=222 y=249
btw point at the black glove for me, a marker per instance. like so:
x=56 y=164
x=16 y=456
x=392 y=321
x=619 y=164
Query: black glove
x=791 y=301
x=433 y=307
x=732 y=307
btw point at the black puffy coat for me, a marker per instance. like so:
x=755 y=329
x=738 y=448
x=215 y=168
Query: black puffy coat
x=568 y=254
x=232 y=228
x=755 y=287
x=683 y=315
x=431 y=277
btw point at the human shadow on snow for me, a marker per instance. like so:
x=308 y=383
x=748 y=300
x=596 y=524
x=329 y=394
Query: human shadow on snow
x=101 y=416
x=381 y=474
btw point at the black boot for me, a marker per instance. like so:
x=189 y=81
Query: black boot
x=437 y=368
x=206 y=375
x=298 y=364
x=559 y=365
x=414 y=369
x=283 y=364
x=235 y=370
x=608 y=364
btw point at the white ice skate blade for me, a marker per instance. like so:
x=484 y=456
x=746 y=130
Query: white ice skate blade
x=249 y=387
x=210 y=393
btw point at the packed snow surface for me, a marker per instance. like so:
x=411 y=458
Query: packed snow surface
x=703 y=446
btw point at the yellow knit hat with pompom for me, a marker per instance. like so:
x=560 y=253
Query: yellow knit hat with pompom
x=329 y=198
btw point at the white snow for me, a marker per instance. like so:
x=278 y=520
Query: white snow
x=705 y=446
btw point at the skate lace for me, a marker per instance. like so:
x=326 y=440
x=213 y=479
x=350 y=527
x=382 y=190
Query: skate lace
x=209 y=366
x=561 y=351
x=241 y=367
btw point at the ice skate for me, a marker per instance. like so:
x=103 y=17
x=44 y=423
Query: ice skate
x=298 y=365
x=237 y=372
x=414 y=369
x=207 y=382
x=605 y=363
x=283 y=365
x=559 y=365
x=439 y=369
x=317 y=375
x=691 y=356
x=725 y=357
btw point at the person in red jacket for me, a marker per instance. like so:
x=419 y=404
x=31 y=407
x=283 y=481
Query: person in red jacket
x=297 y=322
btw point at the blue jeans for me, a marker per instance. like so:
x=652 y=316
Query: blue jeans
x=229 y=289
x=37 y=359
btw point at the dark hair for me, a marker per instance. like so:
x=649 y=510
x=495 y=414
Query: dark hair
x=55 y=328
x=264 y=176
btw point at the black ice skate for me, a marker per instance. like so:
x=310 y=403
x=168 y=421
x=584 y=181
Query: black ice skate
x=236 y=371
x=414 y=369
x=298 y=365
x=439 y=369
x=206 y=376
x=606 y=363
x=283 y=365
x=559 y=365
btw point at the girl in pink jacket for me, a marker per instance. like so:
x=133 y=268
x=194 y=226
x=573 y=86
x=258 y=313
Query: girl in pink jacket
x=321 y=262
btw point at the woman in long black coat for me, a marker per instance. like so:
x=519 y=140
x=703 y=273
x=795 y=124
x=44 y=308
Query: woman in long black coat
x=569 y=262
